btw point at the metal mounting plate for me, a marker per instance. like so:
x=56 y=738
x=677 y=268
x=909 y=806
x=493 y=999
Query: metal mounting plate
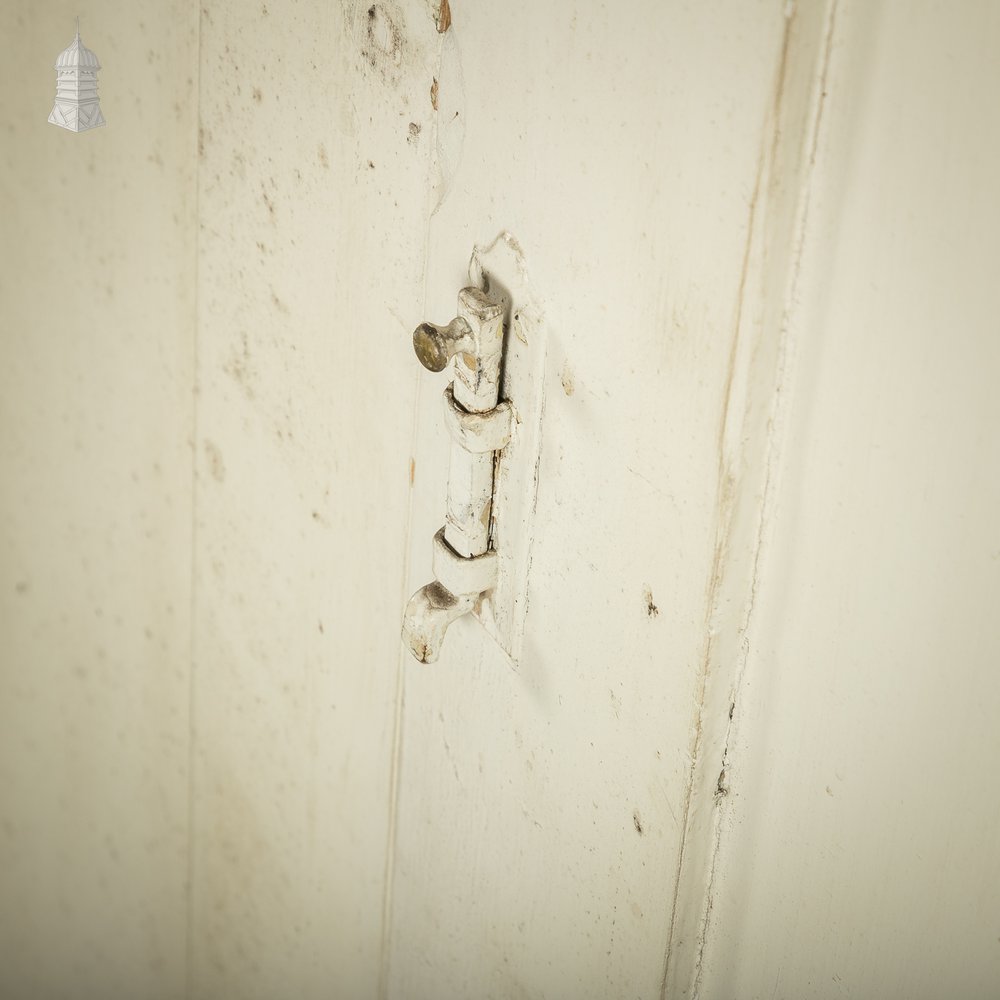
x=500 y=270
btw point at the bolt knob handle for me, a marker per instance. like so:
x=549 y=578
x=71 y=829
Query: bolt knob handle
x=436 y=345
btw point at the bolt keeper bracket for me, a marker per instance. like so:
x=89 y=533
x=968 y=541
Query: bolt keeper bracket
x=477 y=432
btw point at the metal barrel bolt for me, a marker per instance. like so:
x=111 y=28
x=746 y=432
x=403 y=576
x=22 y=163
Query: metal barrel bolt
x=465 y=567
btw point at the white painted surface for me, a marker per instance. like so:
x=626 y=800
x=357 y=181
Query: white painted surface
x=761 y=240
x=313 y=211
x=540 y=810
x=96 y=335
x=858 y=843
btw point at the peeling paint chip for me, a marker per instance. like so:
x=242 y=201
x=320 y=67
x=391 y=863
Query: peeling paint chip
x=434 y=93
x=651 y=609
x=443 y=18
x=722 y=785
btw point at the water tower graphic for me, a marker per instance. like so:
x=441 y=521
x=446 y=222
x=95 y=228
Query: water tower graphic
x=77 y=107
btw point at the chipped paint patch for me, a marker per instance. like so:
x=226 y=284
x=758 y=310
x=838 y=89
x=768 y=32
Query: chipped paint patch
x=443 y=17
x=383 y=40
x=448 y=124
x=652 y=610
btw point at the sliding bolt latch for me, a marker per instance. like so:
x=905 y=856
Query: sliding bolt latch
x=480 y=425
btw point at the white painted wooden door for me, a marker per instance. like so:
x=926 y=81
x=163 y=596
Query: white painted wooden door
x=744 y=750
x=855 y=850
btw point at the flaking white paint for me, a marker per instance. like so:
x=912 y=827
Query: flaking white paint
x=731 y=755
